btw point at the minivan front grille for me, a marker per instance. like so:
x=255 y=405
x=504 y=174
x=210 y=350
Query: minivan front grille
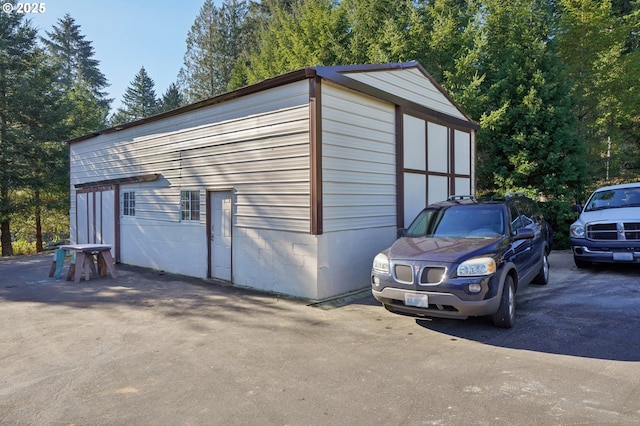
x=432 y=275
x=629 y=231
x=404 y=273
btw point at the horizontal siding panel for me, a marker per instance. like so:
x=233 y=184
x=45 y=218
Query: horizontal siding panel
x=264 y=157
x=357 y=139
x=359 y=223
x=339 y=200
x=276 y=224
x=275 y=212
x=358 y=159
x=372 y=179
x=373 y=158
x=291 y=200
x=403 y=83
x=110 y=161
x=340 y=188
x=353 y=211
x=360 y=166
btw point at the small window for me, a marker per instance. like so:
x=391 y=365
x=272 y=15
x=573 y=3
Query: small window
x=129 y=204
x=189 y=205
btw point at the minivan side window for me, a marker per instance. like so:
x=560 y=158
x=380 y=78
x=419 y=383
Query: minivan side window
x=516 y=221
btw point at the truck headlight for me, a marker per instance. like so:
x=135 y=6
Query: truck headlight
x=577 y=231
x=381 y=263
x=477 y=267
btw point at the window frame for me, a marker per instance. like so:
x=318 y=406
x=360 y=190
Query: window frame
x=129 y=203
x=190 y=206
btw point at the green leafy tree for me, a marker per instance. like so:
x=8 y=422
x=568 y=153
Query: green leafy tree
x=214 y=45
x=527 y=141
x=139 y=100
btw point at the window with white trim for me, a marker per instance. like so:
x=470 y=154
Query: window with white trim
x=129 y=203
x=189 y=205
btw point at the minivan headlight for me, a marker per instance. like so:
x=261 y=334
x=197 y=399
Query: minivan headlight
x=577 y=231
x=477 y=267
x=381 y=263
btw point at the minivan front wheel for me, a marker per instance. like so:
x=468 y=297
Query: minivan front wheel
x=505 y=317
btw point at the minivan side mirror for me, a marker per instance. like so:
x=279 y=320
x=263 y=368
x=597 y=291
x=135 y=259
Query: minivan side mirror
x=400 y=232
x=523 y=234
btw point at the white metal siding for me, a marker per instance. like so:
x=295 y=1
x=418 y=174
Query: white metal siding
x=258 y=144
x=358 y=159
x=405 y=83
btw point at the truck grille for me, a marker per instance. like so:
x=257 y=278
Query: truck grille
x=625 y=231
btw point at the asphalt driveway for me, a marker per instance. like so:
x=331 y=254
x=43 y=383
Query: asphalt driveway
x=159 y=349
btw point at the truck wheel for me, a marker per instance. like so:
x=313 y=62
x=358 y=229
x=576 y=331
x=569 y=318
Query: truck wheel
x=506 y=315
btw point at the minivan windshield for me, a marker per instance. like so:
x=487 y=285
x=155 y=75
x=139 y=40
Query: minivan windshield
x=465 y=221
x=614 y=198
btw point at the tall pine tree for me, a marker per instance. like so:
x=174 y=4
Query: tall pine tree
x=139 y=100
x=214 y=45
x=528 y=140
x=32 y=111
x=75 y=57
x=171 y=99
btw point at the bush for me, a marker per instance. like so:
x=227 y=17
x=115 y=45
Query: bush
x=560 y=215
x=24 y=247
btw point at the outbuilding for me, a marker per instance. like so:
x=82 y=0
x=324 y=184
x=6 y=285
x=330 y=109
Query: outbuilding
x=291 y=185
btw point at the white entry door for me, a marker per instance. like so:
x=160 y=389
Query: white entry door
x=220 y=203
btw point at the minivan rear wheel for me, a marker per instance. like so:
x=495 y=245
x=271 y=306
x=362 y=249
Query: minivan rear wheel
x=543 y=276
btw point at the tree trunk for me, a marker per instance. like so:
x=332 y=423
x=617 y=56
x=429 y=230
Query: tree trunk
x=38 y=212
x=5 y=228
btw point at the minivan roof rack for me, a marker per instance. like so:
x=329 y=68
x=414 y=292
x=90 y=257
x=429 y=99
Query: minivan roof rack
x=515 y=194
x=460 y=197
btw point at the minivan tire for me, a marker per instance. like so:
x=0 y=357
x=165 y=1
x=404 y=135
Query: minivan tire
x=505 y=317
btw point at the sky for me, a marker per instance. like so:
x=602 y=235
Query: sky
x=127 y=35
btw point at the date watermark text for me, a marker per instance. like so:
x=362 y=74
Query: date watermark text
x=23 y=8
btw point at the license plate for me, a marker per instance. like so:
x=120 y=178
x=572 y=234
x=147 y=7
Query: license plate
x=623 y=257
x=417 y=300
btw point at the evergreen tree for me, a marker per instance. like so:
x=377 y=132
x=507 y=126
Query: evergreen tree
x=527 y=141
x=314 y=33
x=75 y=56
x=599 y=43
x=385 y=30
x=31 y=115
x=214 y=45
x=171 y=99
x=139 y=100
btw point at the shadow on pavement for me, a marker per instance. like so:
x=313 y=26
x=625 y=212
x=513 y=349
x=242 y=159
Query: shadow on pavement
x=592 y=313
